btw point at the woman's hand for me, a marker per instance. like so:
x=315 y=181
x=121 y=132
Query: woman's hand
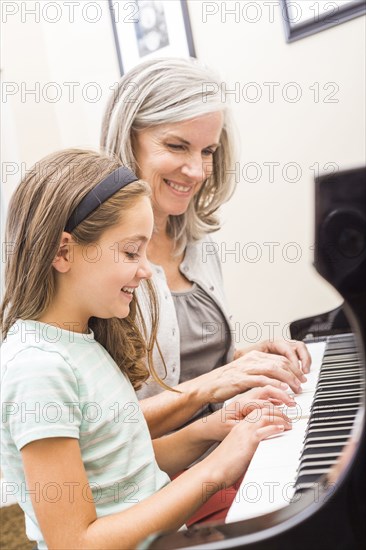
x=230 y=460
x=219 y=424
x=295 y=351
x=251 y=370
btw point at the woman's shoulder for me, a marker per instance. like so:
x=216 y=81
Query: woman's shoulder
x=204 y=251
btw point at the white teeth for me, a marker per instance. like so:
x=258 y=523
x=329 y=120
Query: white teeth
x=181 y=188
x=128 y=289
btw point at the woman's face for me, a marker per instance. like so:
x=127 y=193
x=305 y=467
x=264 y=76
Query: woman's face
x=175 y=159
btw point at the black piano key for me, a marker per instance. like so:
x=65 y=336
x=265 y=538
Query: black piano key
x=339 y=431
x=307 y=479
x=320 y=429
x=315 y=469
x=329 y=455
x=322 y=449
x=331 y=459
x=338 y=391
x=320 y=423
x=335 y=404
x=344 y=378
x=332 y=409
x=333 y=413
x=316 y=438
x=328 y=401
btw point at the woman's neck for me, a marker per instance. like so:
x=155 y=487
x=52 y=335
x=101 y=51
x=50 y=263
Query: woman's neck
x=160 y=248
x=160 y=222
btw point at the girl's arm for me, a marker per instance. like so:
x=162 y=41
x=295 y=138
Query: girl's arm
x=68 y=518
x=169 y=410
x=70 y=521
x=177 y=451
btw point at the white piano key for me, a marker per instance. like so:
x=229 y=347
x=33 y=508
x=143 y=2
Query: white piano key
x=274 y=465
x=268 y=483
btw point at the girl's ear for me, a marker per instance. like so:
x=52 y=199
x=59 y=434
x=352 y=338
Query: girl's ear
x=63 y=259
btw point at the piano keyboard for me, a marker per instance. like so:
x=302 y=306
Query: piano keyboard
x=286 y=465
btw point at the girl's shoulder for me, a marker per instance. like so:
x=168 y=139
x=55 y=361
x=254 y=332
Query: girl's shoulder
x=39 y=344
x=25 y=350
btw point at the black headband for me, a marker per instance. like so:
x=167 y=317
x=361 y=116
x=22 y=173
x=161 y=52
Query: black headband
x=101 y=192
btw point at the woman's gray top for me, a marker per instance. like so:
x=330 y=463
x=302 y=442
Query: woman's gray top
x=204 y=332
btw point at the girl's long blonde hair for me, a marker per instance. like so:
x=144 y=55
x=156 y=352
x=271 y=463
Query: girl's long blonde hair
x=38 y=212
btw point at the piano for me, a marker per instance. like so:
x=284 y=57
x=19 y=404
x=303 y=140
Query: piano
x=307 y=488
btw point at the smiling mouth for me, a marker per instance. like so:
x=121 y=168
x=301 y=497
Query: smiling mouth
x=128 y=289
x=177 y=187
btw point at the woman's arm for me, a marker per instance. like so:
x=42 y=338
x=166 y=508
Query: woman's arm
x=168 y=410
x=70 y=521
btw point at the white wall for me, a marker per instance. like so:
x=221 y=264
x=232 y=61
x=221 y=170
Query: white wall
x=297 y=135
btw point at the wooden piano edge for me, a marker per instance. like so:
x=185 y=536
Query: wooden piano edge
x=305 y=515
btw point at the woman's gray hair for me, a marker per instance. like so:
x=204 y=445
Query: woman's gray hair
x=165 y=91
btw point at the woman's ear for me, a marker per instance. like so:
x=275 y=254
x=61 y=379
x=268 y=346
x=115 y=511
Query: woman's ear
x=63 y=259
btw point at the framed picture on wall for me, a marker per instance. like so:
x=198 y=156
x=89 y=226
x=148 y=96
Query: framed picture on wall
x=150 y=28
x=302 y=19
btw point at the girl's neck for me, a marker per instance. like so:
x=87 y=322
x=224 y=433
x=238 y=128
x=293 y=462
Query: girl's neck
x=64 y=318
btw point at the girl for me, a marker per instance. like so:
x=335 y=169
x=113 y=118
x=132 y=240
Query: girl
x=75 y=444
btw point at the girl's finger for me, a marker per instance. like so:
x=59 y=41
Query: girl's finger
x=271 y=392
x=268 y=431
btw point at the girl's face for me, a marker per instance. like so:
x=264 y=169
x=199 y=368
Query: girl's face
x=106 y=273
x=176 y=159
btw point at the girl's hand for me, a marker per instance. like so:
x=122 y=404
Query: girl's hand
x=230 y=460
x=295 y=351
x=220 y=423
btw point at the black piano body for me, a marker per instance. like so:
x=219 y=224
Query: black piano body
x=333 y=517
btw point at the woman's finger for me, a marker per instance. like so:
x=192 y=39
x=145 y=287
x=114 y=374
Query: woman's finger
x=283 y=381
x=288 y=362
x=304 y=355
x=274 y=366
x=296 y=352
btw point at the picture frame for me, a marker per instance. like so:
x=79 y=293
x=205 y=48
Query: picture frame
x=150 y=28
x=303 y=19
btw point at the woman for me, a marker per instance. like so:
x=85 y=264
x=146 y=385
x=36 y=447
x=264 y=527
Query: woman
x=166 y=122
